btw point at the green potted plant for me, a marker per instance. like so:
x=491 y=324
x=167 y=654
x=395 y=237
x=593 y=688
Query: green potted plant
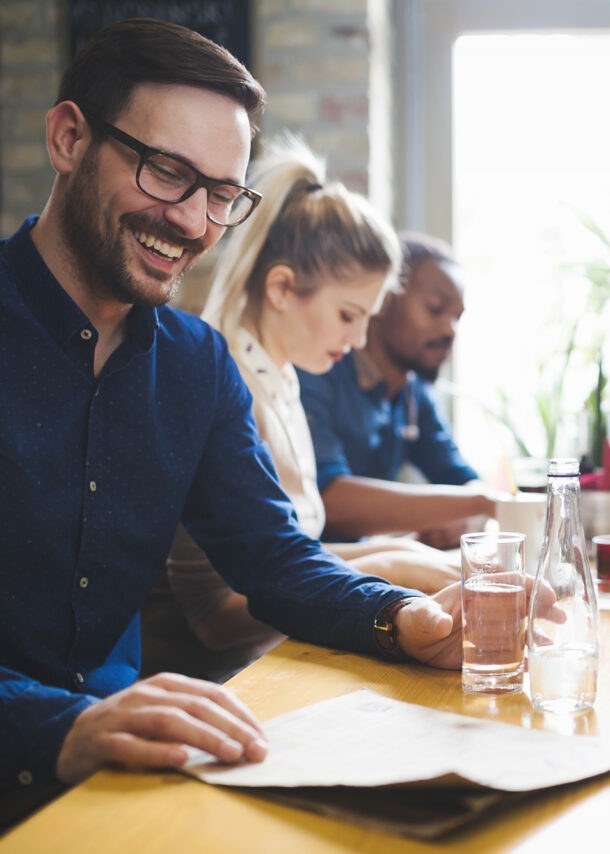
x=576 y=356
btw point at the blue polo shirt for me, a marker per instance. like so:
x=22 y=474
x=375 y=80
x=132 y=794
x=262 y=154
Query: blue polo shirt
x=357 y=430
x=96 y=474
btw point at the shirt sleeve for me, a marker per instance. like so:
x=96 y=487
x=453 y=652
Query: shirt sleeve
x=238 y=513
x=318 y=397
x=435 y=453
x=34 y=720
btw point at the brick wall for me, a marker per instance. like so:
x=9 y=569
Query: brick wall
x=312 y=57
x=31 y=50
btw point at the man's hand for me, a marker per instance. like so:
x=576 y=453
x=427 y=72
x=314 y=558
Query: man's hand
x=430 y=629
x=144 y=725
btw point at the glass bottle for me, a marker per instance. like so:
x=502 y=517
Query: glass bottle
x=563 y=640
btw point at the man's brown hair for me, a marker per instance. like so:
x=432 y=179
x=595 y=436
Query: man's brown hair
x=134 y=51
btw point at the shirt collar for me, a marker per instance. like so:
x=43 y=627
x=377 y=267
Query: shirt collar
x=55 y=310
x=280 y=383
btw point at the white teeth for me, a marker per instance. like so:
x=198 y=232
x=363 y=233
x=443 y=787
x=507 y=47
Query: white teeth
x=163 y=248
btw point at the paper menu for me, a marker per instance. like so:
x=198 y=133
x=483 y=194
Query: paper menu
x=363 y=739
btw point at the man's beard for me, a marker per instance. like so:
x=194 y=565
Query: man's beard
x=429 y=373
x=425 y=372
x=100 y=254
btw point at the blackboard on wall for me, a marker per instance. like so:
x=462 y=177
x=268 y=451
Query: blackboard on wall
x=226 y=22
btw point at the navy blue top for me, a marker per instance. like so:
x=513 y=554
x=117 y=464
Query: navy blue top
x=95 y=475
x=356 y=430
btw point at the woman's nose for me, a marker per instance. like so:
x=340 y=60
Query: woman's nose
x=358 y=335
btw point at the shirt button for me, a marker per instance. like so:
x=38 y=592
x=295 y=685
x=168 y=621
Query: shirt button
x=86 y=334
x=25 y=778
x=84 y=582
x=80 y=678
x=92 y=485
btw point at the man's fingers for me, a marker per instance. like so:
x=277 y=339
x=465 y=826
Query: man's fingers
x=196 y=722
x=127 y=749
x=147 y=723
x=429 y=620
x=174 y=684
x=430 y=629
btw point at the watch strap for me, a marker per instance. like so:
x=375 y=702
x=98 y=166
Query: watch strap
x=386 y=630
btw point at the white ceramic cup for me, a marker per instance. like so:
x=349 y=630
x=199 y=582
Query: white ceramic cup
x=524 y=513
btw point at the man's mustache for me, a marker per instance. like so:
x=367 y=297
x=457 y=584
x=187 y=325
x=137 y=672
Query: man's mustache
x=164 y=231
x=441 y=344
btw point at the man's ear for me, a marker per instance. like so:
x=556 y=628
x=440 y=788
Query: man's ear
x=68 y=136
x=279 y=283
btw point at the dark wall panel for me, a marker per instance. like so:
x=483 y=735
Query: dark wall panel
x=224 y=21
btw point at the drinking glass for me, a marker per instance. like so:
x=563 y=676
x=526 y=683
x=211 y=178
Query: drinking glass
x=493 y=612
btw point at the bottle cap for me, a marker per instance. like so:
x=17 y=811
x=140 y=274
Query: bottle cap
x=564 y=467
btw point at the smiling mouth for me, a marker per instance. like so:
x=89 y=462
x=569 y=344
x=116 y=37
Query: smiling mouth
x=160 y=247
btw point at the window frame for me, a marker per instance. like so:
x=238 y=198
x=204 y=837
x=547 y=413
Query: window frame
x=426 y=31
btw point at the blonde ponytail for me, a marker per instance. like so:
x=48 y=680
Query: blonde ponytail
x=286 y=162
x=319 y=229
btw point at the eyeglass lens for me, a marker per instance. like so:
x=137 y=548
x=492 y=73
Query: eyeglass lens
x=167 y=179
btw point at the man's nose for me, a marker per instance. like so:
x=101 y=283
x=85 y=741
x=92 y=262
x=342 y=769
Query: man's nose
x=450 y=324
x=191 y=215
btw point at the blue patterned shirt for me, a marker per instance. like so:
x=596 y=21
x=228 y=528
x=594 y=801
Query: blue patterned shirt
x=96 y=473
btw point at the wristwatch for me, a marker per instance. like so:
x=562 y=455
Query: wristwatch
x=386 y=630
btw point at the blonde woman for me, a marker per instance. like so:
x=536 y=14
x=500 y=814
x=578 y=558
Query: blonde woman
x=296 y=286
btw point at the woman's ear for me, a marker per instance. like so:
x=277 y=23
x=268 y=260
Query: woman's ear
x=68 y=136
x=279 y=283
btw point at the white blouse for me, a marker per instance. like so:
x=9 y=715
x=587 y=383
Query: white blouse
x=282 y=423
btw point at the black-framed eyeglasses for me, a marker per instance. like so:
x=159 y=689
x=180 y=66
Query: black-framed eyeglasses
x=170 y=179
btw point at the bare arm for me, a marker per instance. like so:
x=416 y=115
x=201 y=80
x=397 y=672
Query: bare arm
x=401 y=561
x=218 y=616
x=362 y=506
x=231 y=624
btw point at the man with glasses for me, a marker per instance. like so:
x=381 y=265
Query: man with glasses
x=122 y=417
x=168 y=178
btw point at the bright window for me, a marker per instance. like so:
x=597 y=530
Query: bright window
x=531 y=156
x=502 y=141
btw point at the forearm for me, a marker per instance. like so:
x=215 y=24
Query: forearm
x=358 y=506
x=403 y=562
x=232 y=625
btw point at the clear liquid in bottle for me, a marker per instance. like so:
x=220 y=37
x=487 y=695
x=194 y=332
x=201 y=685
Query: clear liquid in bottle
x=563 y=643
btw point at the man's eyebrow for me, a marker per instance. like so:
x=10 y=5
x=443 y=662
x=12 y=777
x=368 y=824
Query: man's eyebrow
x=445 y=292
x=175 y=154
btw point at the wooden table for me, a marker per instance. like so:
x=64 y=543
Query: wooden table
x=121 y=812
